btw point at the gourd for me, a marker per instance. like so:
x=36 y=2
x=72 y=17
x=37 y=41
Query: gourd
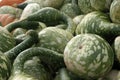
x=71 y=9
x=10 y=3
x=29 y=9
x=47 y=3
x=115 y=11
x=46 y=16
x=10 y=10
x=6 y=19
x=45 y=55
x=98 y=23
x=87 y=6
x=89 y=56
x=54 y=38
x=116 y=48
x=8 y=57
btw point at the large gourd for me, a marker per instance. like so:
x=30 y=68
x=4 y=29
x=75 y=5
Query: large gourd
x=7 y=58
x=89 y=56
x=98 y=23
x=115 y=11
x=87 y=6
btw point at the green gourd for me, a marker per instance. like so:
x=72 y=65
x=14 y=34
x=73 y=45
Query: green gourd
x=71 y=9
x=98 y=23
x=46 y=16
x=54 y=38
x=21 y=66
x=87 y=6
x=89 y=56
x=7 y=58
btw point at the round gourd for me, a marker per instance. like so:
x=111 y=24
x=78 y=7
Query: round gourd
x=54 y=38
x=89 y=56
x=87 y=6
x=115 y=11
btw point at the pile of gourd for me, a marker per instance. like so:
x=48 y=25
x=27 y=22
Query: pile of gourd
x=60 y=40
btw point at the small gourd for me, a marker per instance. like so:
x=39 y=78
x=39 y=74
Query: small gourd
x=115 y=11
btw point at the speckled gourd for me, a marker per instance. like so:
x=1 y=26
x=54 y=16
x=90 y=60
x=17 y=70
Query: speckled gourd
x=54 y=38
x=46 y=16
x=98 y=23
x=87 y=6
x=89 y=56
x=21 y=66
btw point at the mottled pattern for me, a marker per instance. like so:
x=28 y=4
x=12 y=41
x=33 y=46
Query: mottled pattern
x=98 y=23
x=6 y=40
x=5 y=67
x=89 y=56
x=54 y=38
x=87 y=6
x=115 y=11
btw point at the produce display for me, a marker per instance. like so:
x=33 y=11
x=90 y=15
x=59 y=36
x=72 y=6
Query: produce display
x=59 y=39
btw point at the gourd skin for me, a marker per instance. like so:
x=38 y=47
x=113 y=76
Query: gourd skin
x=5 y=67
x=6 y=40
x=89 y=56
x=87 y=6
x=115 y=11
x=51 y=37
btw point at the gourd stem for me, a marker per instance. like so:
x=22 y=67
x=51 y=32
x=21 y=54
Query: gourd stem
x=33 y=38
x=22 y=24
x=46 y=56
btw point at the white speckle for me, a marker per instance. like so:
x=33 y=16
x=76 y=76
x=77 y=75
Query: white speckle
x=98 y=57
